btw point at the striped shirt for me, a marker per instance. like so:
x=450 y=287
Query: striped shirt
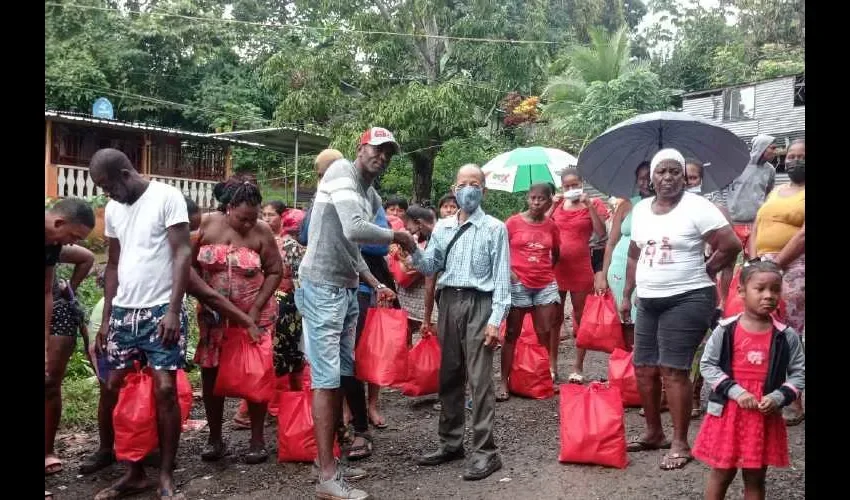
x=340 y=221
x=479 y=259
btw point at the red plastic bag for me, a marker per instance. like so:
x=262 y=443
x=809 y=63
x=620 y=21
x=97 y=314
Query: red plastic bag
x=592 y=427
x=530 y=375
x=621 y=374
x=381 y=354
x=134 y=418
x=403 y=277
x=296 y=441
x=600 y=328
x=735 y=304
x=184 y=396
x=245 y=369
x=423 y=362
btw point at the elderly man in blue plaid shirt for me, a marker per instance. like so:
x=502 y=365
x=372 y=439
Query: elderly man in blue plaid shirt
x=471 y=251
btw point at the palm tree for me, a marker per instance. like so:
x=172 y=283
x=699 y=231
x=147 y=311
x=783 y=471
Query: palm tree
x=605 y=59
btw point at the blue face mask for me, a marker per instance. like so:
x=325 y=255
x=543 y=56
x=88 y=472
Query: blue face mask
x=469 y=198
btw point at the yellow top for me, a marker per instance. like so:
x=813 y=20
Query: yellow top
x=778 y=221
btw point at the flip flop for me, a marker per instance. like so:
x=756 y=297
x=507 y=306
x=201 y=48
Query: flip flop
x=667 y=457
x=256 y=457
x=696 y=412
x=240 y=423
x=213 y=453
x=378 y=425
x=113 y=492
x=100 y=459
x=52 y=465
x=575 y=378
x=48 y=495
x=636 y=445
x=362 y=451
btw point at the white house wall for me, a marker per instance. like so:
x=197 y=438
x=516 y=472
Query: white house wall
x=775 y=112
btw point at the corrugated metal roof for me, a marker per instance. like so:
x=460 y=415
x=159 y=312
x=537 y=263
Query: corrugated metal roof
x=693 y=93
x=68 y=117
x=282 y=139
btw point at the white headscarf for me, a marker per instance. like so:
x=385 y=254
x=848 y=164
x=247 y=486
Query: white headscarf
x=664 y=155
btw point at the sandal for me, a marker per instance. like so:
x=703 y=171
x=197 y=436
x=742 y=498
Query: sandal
x=52 y=465
x=672 y=461
x=696 y=412
x=636 y=444
x=98 y=460
x=257 y=456
x=359 y=452
x=173 y=496
x=214 y=452
x=575 y=378
x=378 y=425
x=48 y=495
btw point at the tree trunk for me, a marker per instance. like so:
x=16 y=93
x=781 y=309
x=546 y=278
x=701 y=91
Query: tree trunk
x=423 y=169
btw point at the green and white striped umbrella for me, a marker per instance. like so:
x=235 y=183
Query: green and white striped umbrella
x=515 y=171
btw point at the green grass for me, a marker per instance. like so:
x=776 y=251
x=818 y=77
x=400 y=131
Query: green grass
x=79 y=402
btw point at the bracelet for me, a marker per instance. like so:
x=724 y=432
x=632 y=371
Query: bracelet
x=380 y=286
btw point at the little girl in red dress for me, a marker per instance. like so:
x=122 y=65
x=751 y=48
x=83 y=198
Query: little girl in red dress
x=755 y=367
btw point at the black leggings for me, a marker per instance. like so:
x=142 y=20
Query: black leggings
x=355 y=390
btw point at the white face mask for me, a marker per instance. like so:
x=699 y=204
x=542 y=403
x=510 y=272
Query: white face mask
x=573 y=194
x=695 y=190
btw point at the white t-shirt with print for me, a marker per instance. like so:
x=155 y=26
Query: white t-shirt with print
x=672 y=259
x=144 y=269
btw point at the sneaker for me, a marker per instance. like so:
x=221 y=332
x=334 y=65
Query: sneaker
x=336 y=488
x=349 y=473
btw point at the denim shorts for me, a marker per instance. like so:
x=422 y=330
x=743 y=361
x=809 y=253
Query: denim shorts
x=668 y=330
x=523 y=297
x=329 y=317
x=134 y=336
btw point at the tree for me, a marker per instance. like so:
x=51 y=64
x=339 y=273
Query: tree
x=766 y=40
x=605 y=59
x=607 y=103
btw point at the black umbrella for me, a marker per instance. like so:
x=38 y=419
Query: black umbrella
x=609 y=162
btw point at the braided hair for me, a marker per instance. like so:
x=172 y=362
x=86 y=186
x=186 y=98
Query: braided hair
x=236 y=191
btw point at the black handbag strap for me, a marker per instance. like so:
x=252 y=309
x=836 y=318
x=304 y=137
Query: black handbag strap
x=452 y=243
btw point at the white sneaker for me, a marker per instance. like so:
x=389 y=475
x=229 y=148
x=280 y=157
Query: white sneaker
x=336 y=488
x=349 y=473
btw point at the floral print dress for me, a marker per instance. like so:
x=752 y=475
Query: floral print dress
x=288 y=357
x=237 y=274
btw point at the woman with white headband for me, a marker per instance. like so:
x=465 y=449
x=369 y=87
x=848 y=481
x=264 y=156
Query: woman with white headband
x=676 y=297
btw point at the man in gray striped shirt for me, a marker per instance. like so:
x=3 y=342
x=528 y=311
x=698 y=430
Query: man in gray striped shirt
x=342 y=218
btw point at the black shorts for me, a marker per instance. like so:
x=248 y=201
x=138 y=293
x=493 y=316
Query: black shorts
x=67 y=318
x=597 y=259
x=668 y=330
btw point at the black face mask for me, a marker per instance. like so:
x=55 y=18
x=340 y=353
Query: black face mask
x=796 y=170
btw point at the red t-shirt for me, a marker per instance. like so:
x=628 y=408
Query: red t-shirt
x=532 y=246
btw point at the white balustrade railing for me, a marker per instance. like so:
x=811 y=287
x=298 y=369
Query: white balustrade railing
x=197 y=190
x=76 y=181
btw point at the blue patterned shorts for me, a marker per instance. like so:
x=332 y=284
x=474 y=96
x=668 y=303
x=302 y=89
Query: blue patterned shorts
x=134 y=333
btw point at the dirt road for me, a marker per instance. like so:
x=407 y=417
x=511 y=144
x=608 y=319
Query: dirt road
x=526 y=432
